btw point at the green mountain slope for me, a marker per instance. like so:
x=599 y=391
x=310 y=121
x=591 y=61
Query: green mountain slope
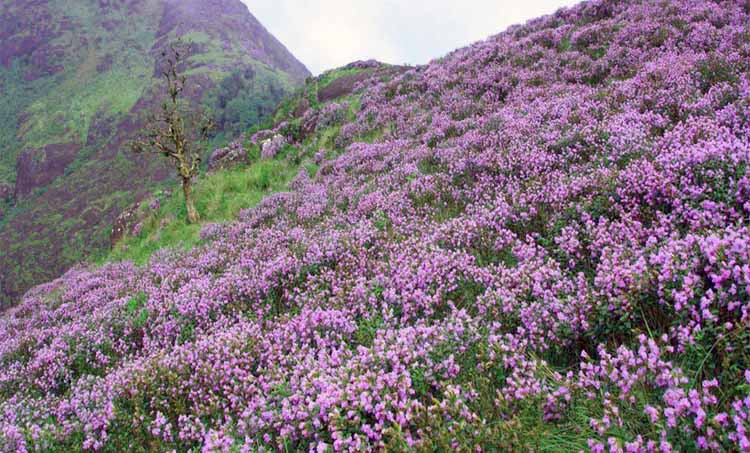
x=76 y=78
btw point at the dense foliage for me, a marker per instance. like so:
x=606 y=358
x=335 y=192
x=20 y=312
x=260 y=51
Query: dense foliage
x=240 y=101
x=538 y=242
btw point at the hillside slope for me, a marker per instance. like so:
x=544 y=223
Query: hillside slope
x=75 y=78
x=304 y=124
x=539 y=242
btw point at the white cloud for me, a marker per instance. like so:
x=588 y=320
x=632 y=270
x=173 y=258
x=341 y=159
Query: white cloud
x=325 y=34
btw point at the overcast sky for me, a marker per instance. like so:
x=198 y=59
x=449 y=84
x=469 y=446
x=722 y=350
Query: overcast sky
x=326 y=34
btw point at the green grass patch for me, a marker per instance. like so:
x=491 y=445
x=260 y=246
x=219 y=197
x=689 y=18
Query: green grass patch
x=218 y=197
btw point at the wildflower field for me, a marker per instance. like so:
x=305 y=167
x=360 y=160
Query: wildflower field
x=538 y=242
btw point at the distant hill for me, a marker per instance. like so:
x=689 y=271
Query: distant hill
x=76 y=77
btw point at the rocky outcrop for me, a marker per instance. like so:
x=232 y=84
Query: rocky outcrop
x=271 y=147
x=364 y=64
x=124 y=224
x=38 y=167
x=344 y=86
x=130 y=221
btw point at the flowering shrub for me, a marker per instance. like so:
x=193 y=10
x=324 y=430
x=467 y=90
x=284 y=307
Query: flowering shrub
x=271 y=147
x=540 y=241
x=229 y=156
x=332 y=114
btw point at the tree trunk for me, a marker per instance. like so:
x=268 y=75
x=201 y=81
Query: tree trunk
x=187 y=189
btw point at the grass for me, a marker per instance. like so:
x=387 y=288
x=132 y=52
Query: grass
x=67 y=113
x=218 y=197
x=17 y=96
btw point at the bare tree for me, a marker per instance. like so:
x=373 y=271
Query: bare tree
x=175 y=130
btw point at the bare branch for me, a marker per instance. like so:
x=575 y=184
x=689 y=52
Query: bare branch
x=174 y=129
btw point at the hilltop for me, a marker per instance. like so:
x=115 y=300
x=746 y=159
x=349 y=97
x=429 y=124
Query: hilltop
x=537 y=242
x=76 y=78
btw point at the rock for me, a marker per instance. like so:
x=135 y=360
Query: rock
x=343 y=86
x=6 y=192
x=124 y=224
x=301 y=109
x=364 y=64
x=229 y=157
x=38 y=167
x=261 y=136
x=130 y=221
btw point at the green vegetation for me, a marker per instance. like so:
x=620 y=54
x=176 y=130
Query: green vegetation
x=105 y=78
x=16 y=97
x=218 y=197
x=94 y=66
x=310 y=93
x=246 y=97
x=65 y=115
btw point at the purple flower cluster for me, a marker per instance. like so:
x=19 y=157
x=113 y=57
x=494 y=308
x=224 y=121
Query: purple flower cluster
x=332 y=114
x=271 y=147
x=228 y=156
x=543 y=232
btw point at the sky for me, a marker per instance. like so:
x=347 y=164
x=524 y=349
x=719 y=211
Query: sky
x=326 y=34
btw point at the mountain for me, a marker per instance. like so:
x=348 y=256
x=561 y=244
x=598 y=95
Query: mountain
x=76 y=78
x=538 y=242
